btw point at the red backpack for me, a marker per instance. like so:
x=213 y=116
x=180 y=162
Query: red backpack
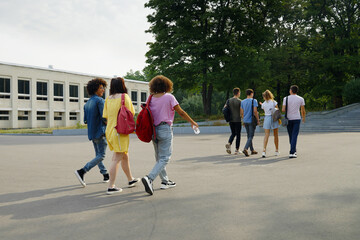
x=145 y=129
x=125 y=120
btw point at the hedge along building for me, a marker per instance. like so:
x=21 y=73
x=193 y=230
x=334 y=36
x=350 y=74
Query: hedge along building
x=32 y=97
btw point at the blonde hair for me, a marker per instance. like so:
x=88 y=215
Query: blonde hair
x=267 y=95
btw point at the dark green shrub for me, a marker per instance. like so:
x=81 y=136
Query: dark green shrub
x=351 y=91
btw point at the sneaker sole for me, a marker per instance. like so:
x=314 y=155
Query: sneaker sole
x=79 y=178
x=163 y=187
x=146 y=185
x=111 y=193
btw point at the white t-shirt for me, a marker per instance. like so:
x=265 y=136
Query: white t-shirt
x=269 y=106
x=293 y=109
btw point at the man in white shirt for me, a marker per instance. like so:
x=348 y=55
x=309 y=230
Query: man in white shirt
x=294 y=103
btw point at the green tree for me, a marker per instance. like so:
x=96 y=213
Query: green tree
x=137 y=75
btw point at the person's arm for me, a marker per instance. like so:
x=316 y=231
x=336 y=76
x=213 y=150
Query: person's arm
x=100 y=106
x=185 y=116
x=85 y=117
x=256 y=114
x=283 y=108
x=241 y=112
x=303 y=113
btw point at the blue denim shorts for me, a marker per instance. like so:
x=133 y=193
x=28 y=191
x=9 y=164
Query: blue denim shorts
x=269 y=124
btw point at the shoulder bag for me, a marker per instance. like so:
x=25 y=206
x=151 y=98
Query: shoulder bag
x=285 y=121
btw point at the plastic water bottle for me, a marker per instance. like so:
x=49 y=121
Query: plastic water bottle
x=196 y=130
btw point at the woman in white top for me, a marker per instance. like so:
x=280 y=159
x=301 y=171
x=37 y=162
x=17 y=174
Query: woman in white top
x=269 y=106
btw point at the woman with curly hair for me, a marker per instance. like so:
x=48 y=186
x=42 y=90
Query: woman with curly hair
x=118 y=143
x=163 y=106
x=93 y=111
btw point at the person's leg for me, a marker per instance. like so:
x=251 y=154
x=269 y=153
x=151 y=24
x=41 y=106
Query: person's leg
x=233 y=132
x=101 y=151
x=164 y=146
x=125 y=165
x=251 y=134
x=99 y=156
x=248 y=142
x=276 y=139
x=290 y=131
x=114 y=167
x=266 y=138
x=294 y=135
x=238 y=135
x=163 y=173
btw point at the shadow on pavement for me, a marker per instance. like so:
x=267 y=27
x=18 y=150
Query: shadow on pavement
x=241 y=159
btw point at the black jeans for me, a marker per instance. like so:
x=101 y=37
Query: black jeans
x=235 y=131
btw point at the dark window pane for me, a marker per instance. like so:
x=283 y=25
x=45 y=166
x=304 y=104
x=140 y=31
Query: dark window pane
x=5 y=85
x=133 y=96
x=41 y=88
x=23 y=87
x=143 y=97
x=58 y=90
x=74 y=91
x=86 y=95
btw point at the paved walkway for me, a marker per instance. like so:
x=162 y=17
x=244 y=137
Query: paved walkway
x=218 y=196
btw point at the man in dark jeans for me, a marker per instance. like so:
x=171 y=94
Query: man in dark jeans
x=93 y=111
x=294 y=103
x=235 y=123
x=249 y=109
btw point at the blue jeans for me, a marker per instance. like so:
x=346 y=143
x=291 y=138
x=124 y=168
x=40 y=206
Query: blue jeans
x=293 y=128
x=250 y=130
x=163 y=149
x=100 y=145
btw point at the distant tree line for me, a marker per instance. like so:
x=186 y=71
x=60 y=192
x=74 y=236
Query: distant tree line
x=211 y=46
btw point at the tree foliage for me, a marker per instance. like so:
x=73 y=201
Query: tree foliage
x=207 y=46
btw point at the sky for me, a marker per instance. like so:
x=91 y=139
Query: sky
x=102 y=37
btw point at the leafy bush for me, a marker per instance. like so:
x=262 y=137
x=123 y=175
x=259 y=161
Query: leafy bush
x=351 y=91
x=193 y=105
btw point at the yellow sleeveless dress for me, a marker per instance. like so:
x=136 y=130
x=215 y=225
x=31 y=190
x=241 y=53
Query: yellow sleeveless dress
x=117 y=142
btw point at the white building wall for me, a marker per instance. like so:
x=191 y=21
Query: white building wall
x=50 y=109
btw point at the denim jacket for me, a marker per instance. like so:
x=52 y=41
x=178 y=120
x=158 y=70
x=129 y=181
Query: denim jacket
x=93 y=111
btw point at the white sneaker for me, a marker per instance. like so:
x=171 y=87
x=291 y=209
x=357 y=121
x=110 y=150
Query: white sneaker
x=237 y=152
x=166 y=185
x=277 y=153
x=263 y=154
x=293 y=155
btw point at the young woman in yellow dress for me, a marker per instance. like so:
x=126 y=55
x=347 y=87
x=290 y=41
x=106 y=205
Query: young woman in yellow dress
x=118 y=143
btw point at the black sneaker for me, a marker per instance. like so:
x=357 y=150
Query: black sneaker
x=166 y=185
x=113 y=190
x=80 y=175
x=133 y=182
x=148 y=185
x=106 y=177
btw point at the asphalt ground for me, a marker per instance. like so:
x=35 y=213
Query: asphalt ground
x=218 y=196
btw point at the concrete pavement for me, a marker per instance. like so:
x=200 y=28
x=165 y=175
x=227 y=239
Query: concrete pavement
x=218 y=196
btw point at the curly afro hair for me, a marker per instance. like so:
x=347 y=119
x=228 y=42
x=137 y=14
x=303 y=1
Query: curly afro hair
x=94 y=84
x=160 y=84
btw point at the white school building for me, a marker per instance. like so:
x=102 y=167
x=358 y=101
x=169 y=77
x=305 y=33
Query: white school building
x=32 y=97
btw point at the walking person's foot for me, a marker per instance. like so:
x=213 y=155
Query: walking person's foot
x=263 y=154
x=113 y=190
x=133 y=182
x=148 y=185
x=253 y=152
x=80 y=176
x=168 y=184
x=228 y=148
x=106 y=178
x=237 y=152
x=277 y=153
x=245 y=152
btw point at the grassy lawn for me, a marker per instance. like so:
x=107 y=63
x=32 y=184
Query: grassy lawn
x=37 y=130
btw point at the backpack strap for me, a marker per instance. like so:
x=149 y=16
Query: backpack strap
x=123 y=99
x=149 y=99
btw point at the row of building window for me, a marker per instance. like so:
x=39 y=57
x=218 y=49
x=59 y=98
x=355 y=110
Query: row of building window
x=40 y=115
x=41 y=91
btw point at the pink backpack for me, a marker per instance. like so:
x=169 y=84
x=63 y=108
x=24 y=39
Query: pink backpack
x=125 y=119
